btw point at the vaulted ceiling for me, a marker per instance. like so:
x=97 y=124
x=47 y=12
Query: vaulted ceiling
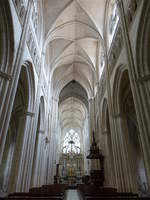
x=73 y=107
x=74 y=33
x=72 y=114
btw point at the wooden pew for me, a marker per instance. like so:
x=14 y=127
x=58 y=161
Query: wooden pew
x=91 y=192
x=55 y=191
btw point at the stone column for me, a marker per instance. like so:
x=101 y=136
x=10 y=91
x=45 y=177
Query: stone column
x=24 y=128
x=5 y=117
x=28 y=164
x=39 y=159
x=139 y=88
x=118 y=165
x=44 y=160
x=49 y=180
x=109 y=166
x=55 y=129
x=91 y=118
x=50 y=134
x=5 y=80
x=119 y=160
x=53 y=142
x=128 y=170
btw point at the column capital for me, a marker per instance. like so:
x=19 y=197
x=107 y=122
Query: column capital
x=28 y=113
x=55 y=99
x=91 y=99
x=41 y=131
x=105 y=132
x=5 y=75
x=118 y=115
x=143 y=79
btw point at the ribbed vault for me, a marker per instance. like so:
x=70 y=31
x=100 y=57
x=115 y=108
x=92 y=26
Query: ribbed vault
x=74 y=38
x=74 y=34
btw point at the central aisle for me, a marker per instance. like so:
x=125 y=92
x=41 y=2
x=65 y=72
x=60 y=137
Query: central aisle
x=72 y=195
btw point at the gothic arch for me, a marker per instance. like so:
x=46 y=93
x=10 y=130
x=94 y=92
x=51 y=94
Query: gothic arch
x=126 y=123
x=30 y=77
x=79 y=77
x=143 y=43
x=18 y=129
x=116 y=85
x=122 y=91
x=27 y=78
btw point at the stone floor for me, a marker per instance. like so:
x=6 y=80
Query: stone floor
x=72 y=195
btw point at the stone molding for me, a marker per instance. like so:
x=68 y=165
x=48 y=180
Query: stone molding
x=27 y=113
x=105 y=132
x=144 y=78
x=41 y=131
x=5 y=76
x=118 y=115
x=54 y=99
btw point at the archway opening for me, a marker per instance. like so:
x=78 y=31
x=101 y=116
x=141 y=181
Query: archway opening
x=16 y=134
x=130 y=127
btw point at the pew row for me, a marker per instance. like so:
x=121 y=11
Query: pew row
x=91 y=192
x=52 y=192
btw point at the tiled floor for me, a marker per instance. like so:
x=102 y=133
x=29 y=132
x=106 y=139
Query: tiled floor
x=72 y=195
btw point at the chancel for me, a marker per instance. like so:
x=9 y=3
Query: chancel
x=71 y=160
x=74 y=99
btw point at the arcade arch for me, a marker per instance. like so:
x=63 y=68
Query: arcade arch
x=124 y=109
x=17 y=131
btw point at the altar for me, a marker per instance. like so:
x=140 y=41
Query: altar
x=71 y=169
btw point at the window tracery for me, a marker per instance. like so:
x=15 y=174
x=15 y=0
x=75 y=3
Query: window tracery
x=71 y=143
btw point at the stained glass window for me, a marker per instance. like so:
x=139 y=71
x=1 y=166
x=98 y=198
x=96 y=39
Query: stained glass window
x=71 y=143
